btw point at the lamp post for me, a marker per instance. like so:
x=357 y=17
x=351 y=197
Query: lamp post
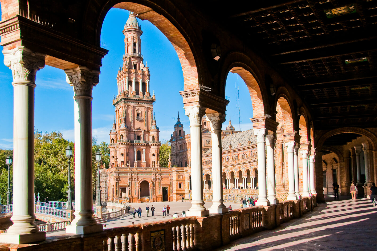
x=98 y=195
x=69 y=199
x=8 y=162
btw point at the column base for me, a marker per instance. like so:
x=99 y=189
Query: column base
x=291 y=197
x=273 y=200
x=197 y=213
x=218 y=209
x=22 y=238
x=73 y=229
x=263 y=202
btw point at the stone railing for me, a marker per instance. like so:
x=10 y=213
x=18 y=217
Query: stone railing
x=188 y=233
x=60 y=213
x=113 y=215
x=51 y=227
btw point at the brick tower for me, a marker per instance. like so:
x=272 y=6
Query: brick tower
x=135 y=135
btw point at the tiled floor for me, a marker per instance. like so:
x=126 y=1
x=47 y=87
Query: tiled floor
x=336 y=225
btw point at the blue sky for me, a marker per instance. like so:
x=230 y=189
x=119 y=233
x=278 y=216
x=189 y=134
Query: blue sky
x=54 y=104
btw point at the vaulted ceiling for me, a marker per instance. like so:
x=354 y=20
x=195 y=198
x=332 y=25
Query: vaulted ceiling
x=326 y=49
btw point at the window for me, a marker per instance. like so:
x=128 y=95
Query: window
x=138 y=137
x=138 y=155
x=135 y=66
x=185 y=163
x=134 y=48
x=122 y=163
x=112 y=141
x=180 y=132
x=153 y=163
x=180 y=185
x=121 y=137
x=153 y=138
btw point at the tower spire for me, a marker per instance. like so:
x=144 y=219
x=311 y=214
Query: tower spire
x=178 y=117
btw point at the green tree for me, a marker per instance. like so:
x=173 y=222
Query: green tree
x=4 y=175
x=105 y=152
x=164 y=154
x=51 y=166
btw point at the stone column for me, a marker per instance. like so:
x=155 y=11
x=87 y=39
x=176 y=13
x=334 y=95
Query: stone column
x=305 y=173
x=291 y=179
x=296 y=169
x=83 y=80
x=140 y=87
x=262 y=198
x=373 y=167
x=195 y=113
x=143 y=155
x=147 y=86
x=134 y=85
x=353 y=166
x=135 y=154
x=271 y=191
x=216 y=120
x=127 y=83
x=368 y=175
x=358 y=157
x=312 y=187
x=24 y=65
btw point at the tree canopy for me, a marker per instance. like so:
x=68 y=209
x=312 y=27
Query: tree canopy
x=164 y=154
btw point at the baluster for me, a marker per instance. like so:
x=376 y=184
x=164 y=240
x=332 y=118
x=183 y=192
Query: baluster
x=179 y=238
x=111 y=244
x=184 y=237
x=174 y=240
x=105 y=245
x=118 y=243
x=132 y=243
x=138 y=246
x=125 y=242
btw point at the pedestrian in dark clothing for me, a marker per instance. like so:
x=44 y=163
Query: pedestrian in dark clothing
x=335 y=189
x=139 y=212
x=152 y=210
x=373 y=192
x=168 y=210
x=147 y=211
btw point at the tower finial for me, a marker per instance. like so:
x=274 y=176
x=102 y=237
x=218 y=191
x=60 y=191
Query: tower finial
x=178 y=116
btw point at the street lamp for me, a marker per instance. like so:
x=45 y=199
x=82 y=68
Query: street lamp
x=69 y=199
x=8 y=161
x=98 y=195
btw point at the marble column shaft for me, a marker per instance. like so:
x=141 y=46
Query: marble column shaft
x=358 y=158
x=312 y=174
x=305 y=173
x=24 y=65
x=291 y=178
x=296 y=169
x=271 y=191
x=216 y=120
x=195 y=113
x=83 y=80
x=261 y=153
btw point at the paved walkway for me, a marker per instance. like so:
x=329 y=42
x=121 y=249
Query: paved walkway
x=336 y=225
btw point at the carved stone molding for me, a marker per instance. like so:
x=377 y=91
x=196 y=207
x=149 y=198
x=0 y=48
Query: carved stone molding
x=290 y=146
x=265 y=122
x=195 y=113
x=83 y=80
x=216 y=120
x=270 y=140
x=205 y=98
x=24 y=64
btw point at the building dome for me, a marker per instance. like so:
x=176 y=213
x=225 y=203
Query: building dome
x=230 y=127
x=178 y=123
x=132 y=21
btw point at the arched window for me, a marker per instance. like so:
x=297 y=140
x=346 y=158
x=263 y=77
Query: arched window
x=121 y=137
x=153 y=138
x=134 y=48
x=180 y=132
x=112 y=141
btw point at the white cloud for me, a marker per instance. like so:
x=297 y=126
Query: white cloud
x=68 y=134
x=54 y=84
x=6 y=146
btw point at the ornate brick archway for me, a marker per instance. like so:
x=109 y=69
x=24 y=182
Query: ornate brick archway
x=371 y=136
x=237 y=62
x=181 y=38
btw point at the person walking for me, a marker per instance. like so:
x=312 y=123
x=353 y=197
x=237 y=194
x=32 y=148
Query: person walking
x=134 y=213
x=147 y=211
x=152 y=210
x=164 y=211
x=353 y=191
x=335 y=189
x=139 y=212
x=373 y=191
x=168 y=210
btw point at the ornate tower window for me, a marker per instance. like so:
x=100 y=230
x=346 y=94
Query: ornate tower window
x=138 y=155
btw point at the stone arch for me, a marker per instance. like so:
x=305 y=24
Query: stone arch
x=284 y=114
x=238 y=62
x=370 y=136
x=144 y=188
x=168 y=20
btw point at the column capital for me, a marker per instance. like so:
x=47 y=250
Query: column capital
x=24 y=64
x=260 y=133
x=216 y=120
x=358 y=149
x=83 y=80
x=195 y=113
x=290 y=146
x=270 y=140
x=312 y=158
x=365 y=147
